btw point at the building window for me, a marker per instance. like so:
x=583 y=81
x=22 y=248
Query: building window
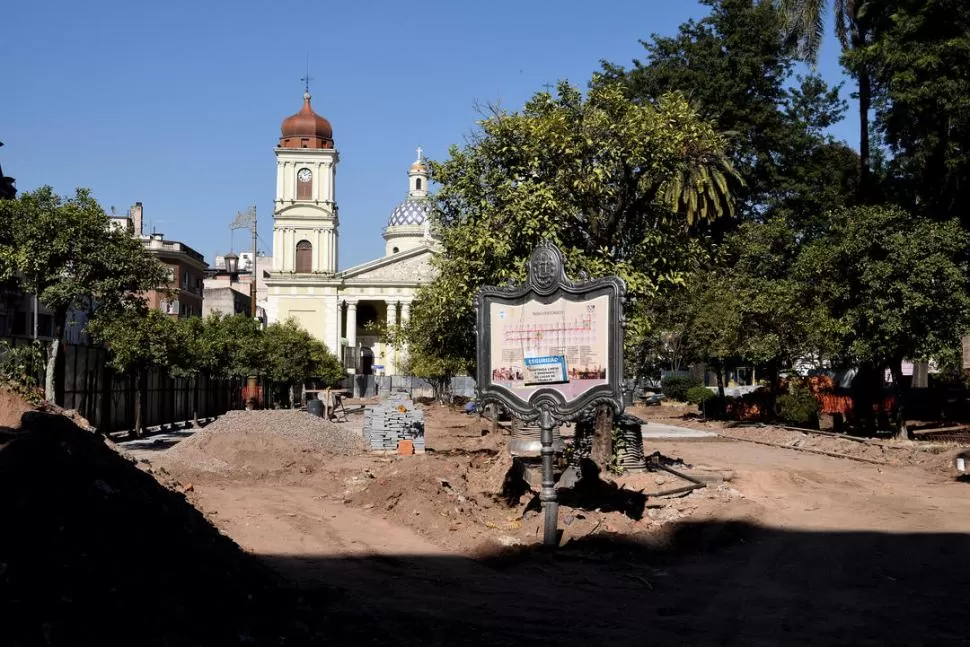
x=304 y=184
x=394 y=251
x=418 y=184
x=304 y=255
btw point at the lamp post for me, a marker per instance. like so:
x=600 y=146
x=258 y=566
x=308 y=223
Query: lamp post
x=232 y=265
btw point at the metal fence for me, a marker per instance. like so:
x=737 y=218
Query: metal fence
x=365 y=386
x=107 y=399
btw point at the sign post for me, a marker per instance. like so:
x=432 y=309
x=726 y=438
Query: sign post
x=548 y=351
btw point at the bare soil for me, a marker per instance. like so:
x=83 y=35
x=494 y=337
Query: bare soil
x=781 y=547
x=12 y=408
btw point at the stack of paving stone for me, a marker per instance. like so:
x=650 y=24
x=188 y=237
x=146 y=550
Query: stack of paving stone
x=393 y=420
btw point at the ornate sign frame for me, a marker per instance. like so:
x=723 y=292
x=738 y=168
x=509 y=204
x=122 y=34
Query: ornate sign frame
x=548 y=284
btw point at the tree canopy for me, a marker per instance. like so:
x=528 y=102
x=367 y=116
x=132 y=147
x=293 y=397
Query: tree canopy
x=63 y=250
x=614 y=183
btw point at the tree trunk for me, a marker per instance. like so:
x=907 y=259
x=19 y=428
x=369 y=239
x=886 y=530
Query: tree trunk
x=54 y=371
x=50 y=382
x=195 y=400
x=773 y=386
x=140 y=374
x=865 y=99
x=896 y=368
x=601 y=451
x=105 y=421
x=719 y=367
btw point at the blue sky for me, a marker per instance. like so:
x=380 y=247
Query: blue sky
x=178 y=104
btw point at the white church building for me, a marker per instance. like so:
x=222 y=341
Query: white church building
x=342 y=309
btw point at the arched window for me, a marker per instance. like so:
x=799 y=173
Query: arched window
x=304 y=256
x=395 y=250
x=304 y=184
x=418 y=184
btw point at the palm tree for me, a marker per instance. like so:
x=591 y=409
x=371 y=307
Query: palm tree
x=804 y=28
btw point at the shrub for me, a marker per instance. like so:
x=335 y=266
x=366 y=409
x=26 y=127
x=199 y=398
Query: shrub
x=699 y=394
x=716 y=406
x=21 y=368
x=798 y=407
x=675 y=387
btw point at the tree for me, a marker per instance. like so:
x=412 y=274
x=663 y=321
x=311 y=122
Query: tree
x=736 y=68
x=917 y=54
x=63 y=251
x=226 y=345
x=292 y=355
x=138 y=339
x=613 y=183
x=885 y=285
x=805 y=27
x=739 y=301
x=732 y=65
x=435 y=350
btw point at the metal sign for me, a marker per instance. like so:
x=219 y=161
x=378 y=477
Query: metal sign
x=550 y=350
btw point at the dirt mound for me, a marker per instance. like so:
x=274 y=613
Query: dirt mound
x=249 y=444
x=98 y=552
x=12 y=407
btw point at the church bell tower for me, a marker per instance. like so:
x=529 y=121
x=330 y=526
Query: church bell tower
x=305 y=210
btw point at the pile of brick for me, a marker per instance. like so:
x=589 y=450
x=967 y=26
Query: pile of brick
x=394 y=425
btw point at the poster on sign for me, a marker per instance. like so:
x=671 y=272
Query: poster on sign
x=562 y=343
x=551 y=338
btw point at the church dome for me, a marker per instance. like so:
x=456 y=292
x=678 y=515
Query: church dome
x=306 y=129
x=412 y=212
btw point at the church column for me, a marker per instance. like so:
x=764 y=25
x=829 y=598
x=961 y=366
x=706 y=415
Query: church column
x=279 y=183
x=289 y=253
x=352 y=326
x=389 y=363
x=405 y=316
x=289 y=178
x=277 y=259
x=317 y=252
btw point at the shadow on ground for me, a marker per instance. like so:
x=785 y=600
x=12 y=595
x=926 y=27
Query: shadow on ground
x=706 y=584
x=95 y=552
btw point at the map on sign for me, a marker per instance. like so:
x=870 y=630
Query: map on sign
x=562 y=345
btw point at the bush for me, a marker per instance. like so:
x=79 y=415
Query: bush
x=21 y=368
x=798 y=407
x=675 y=387
x=699 y=394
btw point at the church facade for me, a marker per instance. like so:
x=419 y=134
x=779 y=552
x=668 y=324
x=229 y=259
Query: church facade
x=344 y=309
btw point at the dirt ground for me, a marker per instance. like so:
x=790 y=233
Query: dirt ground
x=781 y=547
x=12 y=408
x=312 y=543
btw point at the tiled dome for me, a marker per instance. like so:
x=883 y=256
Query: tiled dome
x=413 y=211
